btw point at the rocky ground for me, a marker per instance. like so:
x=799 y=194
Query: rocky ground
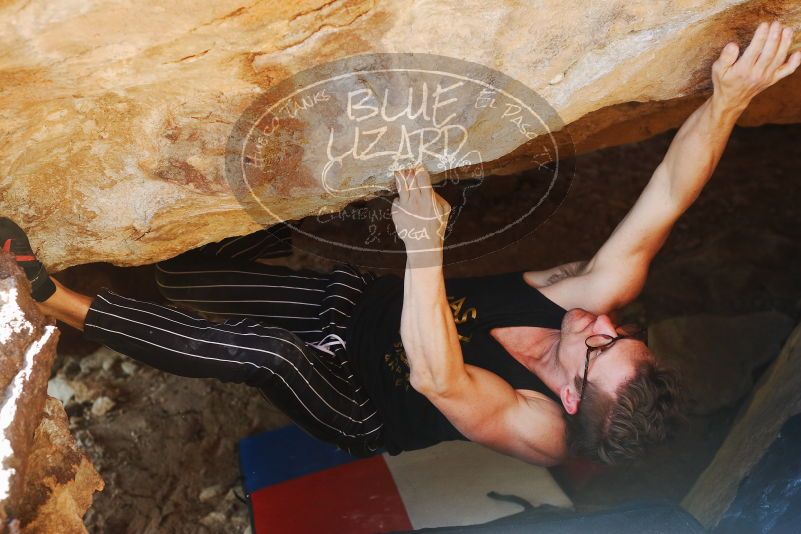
x=166 y=446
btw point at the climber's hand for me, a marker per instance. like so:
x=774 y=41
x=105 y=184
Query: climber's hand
x=764 y=62
x=419 y=213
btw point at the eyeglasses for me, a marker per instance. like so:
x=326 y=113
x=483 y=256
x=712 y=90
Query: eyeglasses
x=603 y=342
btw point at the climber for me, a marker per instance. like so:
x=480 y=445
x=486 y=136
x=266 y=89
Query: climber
x=526 y=363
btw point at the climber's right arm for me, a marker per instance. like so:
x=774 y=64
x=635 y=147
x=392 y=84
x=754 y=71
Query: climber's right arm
x=617 y=272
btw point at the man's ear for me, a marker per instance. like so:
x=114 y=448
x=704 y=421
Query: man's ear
x=570 y=398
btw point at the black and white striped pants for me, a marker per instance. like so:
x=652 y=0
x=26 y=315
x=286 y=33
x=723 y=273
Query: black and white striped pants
x=283 y=332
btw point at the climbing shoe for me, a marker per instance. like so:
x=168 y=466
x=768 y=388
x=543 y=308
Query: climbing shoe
x=14 y=241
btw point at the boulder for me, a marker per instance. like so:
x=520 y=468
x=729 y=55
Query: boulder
x=775 y=399
x=116 y=115
x=41 y=470
x=28 y=342
x=61 y=480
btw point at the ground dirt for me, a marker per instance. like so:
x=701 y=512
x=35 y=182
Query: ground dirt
x=166 y=446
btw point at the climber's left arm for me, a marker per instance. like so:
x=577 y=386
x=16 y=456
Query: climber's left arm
x=617 y=272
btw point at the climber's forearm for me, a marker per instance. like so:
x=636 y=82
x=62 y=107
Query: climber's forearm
x=67 y=306
x=697 y=147
x=428 y=331
x=736 y=80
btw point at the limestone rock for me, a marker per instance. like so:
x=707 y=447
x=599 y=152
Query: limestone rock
x=115 y=115
x=129 y=368
x=102 y=405
x=60 y=389
x=27 y=345
x=776 y=398
x=46 y=483
x=61 y=479
x=719 y=355
x=209 y=493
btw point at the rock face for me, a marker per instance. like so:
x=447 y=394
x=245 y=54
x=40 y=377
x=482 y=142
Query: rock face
x=42 y=473
x=60 y=481
x=776 y=398
x=115 y=116
x=28 y=344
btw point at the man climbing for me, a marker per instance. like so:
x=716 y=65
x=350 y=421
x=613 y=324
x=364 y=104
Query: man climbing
x=527 y=363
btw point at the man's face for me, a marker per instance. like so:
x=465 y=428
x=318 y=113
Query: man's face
x=608 y=369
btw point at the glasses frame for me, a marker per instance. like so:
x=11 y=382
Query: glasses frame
x=636 y=332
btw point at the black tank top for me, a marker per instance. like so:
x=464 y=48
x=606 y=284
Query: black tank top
x=478 y=304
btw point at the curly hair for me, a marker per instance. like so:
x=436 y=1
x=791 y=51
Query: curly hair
x=645 y=411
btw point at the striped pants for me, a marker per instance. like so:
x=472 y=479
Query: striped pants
x=282 y=332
